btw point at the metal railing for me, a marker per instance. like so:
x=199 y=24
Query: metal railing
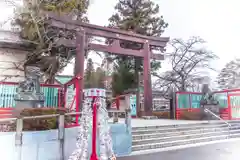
x=19 y=130
x=218 y=117
x=61 y=129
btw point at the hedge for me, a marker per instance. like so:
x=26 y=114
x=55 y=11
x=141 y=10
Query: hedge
x=42 y=123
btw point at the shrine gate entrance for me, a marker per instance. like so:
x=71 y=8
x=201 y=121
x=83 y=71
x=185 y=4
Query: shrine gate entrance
x=84 y=31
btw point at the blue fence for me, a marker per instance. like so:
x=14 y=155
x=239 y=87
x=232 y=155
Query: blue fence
x=52 y=95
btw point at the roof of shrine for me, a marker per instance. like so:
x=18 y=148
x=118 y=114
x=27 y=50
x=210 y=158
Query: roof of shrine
x=11 y=39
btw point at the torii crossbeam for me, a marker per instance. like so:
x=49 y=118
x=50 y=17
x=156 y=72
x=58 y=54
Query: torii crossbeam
x=84 y=31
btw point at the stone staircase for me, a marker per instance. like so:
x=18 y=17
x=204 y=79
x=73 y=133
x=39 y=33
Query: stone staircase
x=154 y=137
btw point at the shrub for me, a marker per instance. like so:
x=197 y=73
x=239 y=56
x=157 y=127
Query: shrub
x=42 y=123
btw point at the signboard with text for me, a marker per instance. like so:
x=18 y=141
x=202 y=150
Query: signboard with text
x=70 y=98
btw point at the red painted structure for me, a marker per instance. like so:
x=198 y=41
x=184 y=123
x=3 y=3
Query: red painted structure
x=94 y=131
x=228 y=109
x=6 y=112
x=74 y=82
x=84 y=31
x=180 y=111
x=228 y=112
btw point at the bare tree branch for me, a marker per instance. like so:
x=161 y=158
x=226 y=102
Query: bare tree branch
x=187 y=58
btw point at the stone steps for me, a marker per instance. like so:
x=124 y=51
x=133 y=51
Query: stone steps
x=174 y=133
x=182 y=137
x=153 y=137
x=182 y=142
x=193 y=124
x=175 y=129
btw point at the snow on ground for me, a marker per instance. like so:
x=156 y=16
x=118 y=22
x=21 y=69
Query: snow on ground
x=155 y=122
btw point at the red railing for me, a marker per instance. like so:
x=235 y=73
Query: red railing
x=75 y=102
x=6 y=112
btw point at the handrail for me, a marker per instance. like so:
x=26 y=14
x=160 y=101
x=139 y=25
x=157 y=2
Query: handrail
x=61 y=127
x=207 y=110
x=50 y=116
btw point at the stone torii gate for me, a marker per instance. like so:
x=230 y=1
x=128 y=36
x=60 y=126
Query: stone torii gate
x=84 y=31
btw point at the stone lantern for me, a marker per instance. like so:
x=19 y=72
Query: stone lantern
x=28 y=94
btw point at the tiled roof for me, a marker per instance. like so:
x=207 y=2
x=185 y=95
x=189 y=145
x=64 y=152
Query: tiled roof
x=10 y=39
x=9 y=36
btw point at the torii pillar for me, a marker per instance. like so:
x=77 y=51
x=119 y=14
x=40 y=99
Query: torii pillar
x=79 y=65
x=147 y=84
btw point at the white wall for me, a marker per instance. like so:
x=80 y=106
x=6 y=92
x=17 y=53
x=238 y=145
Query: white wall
x=45 y=145
x=11 y=61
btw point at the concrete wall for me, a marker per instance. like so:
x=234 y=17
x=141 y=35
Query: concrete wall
x=11 y=61
x=12 y=56
x=44 y=145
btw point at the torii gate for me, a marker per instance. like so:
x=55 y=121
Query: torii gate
x=84 y=31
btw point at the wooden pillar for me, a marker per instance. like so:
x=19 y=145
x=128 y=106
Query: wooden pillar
x=147 y=80
x=137 y=66
x=118 y=102
x=79 y=62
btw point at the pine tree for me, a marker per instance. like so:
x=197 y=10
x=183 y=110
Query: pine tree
x=89 y=74
x=99 y=78
x=31 y=19
x=229 y=76
x=123 y=79
x=142 y=17
x=139 y=16
x=93 y=78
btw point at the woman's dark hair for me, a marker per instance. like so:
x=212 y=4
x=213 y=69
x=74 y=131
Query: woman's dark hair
x=108 y=104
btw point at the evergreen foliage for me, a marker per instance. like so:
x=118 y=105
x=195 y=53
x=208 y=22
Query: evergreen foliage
x=92 y=78
x=138 y=16
x=229 y=76
x=88 y=75
x=123 y=79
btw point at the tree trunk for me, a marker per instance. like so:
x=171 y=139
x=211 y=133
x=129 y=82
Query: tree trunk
x=51 y=80
x=183 y=86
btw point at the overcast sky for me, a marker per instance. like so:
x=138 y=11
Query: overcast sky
x=216 y=21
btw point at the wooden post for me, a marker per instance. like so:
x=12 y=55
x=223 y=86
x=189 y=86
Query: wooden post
x=18 y=138
x=61 y=131
x=117 y=100
x=137 y=66
x=128 y=119
x=79 y=62
x=147 y=80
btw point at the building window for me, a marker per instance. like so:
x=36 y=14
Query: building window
x=161 y=104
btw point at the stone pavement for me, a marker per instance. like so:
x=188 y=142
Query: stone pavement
x=156 y=122
x=228 y=150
